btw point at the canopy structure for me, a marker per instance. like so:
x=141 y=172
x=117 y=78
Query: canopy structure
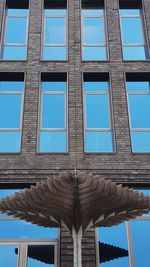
x=76 y=201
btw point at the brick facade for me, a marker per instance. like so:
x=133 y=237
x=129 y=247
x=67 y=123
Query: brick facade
x=121 y=166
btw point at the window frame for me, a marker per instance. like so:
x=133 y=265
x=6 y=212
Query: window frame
x=3 y=33
x=106 y=46
x=145 y=45
x=110 y=110
x=43 y=33
x=128 y=109
x=20 y=129
x=66 y=115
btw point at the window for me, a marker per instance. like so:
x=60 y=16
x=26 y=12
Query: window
x=94 y=45
x=138 y=95
x=97 y=117
x=55 y=30
x=14 y=37
x=134 y=43
x=53 y=113
x=126 y=244
x=11 y=111
x=23 y=244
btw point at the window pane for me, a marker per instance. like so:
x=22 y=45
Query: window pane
x=98 y=142
x=93 y=31
x=54 y=86
x=132 y=31
x=53 y=142
x=140 y=141
x=16 y=30
x=54 y=53
x=10 y=111
x=138 y=86
x=22 y=229
x=53 y=112
x=97 y=114
x=96 y=86
x=141 y=243
x=134 y=53
x=40 y=256
x=12 y=11
x=14 y=52
x=11 y=86
x=94 y=53
x=55 y=12
x=139 y=111
x=55 y=31
x=114 y=236
x=92 y=12
x=130 y=12
x=10 y=142
x=8 y=256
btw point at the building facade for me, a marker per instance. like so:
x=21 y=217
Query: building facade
x=74 y=96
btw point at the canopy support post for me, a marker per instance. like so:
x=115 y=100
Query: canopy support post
x=77 y=247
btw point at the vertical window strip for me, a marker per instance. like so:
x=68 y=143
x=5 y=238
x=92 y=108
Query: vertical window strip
x=11 y=112
x=138 y=96
x=133 y=34
x=93 y=27
x=15 y=34
x=97 y=123
x=53 y=117
x=55 y=34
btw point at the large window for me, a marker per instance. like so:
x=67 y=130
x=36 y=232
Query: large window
x=15 y=31
x=54 y=30
x=94 y=45
x=23 y=244
x=138 y=95
x=134 y=43
x=127 y=244
x=53 y=113
x=97 y=114
x=11 y=111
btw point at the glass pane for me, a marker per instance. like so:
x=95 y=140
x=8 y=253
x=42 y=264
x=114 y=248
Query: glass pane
x=141 y=242
x=92 y=12
x=134 y=53
x=14 y=52
x=116 y=240
x=53 y=111
x=94 y=53
x=8 y=257
x=40 y=256
x=132 y=31
x=53 y=142
x=140 y=141
x=10 y=111
x=93 y=31
x=55 y=12
x=11 y=86
x=22 y=229
x=55 y=31
x=10 y=142
x=54 y=86
x=54 y=53
x=15 y=34
x=138 y=86
x=129 y=12
x=19 y=11
x=97 y=113
x=98 y=142
x=139 y=111
x=96 y=86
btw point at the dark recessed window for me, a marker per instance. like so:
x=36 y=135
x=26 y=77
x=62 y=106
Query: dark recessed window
x=11 y=111
x=53 y=113
x=97 y=115
x=94 y=46
x=138 y=96
x=54 y=30
x=15 y=31
x=134 y=41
